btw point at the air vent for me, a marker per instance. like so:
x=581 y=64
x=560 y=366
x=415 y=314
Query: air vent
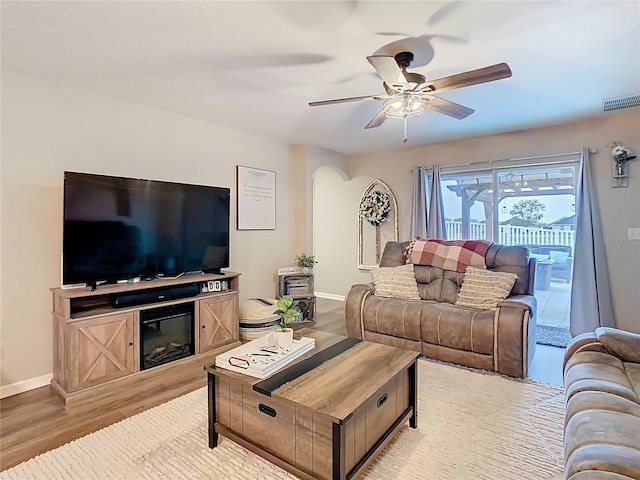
x=619 y=103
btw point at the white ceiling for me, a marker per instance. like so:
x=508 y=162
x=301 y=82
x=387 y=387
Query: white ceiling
x=255 y=66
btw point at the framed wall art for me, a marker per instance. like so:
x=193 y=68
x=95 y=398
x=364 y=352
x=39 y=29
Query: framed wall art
x=256 y=198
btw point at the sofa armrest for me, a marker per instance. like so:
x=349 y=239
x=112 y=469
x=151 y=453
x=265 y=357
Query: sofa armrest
x=622 y=344
x=353 y=308
x=515 y=335
x=584 y=342
x=523 y=302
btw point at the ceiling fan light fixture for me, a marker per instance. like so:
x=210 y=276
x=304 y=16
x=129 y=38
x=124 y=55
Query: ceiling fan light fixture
x=405 y=105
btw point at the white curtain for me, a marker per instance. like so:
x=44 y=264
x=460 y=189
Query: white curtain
x=436 y=224
x=590 y=293
x=419 y=203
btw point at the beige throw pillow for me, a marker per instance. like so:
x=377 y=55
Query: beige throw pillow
x=484 y=288
x=398 y=282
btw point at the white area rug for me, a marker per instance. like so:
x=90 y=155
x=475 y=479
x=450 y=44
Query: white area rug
x=471 y=425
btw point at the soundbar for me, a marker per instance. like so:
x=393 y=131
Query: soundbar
x=131 y=299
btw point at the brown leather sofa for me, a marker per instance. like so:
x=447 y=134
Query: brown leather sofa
x=602 y=392
x=503 y=340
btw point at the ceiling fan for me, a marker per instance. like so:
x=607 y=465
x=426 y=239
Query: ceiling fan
x=408 y=94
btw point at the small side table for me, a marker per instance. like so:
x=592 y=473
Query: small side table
x=543 y=274
x=300 y=287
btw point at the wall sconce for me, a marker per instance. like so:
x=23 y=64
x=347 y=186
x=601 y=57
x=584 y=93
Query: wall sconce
x=620 y=156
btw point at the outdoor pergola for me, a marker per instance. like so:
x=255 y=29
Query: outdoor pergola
x=480 y=188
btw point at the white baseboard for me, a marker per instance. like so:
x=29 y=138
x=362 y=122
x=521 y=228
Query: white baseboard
x=330 y=296
x=25 y=385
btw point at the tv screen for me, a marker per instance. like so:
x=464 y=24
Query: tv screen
x=118 y=228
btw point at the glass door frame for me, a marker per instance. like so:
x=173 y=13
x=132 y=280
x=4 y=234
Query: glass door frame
x=494 y=168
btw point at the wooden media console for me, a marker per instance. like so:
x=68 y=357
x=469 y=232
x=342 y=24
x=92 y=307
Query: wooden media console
x=98 y=349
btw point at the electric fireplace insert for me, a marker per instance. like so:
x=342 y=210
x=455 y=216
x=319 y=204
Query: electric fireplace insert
x=166 y=334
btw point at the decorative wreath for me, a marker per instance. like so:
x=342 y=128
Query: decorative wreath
x=375 y=208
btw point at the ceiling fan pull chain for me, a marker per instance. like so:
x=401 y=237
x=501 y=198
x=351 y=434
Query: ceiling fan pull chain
x=404 y=128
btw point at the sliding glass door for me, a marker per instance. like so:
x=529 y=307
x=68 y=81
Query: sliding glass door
x=527 y=204
x=468 y=204
x=515 y=206
x=536 y=206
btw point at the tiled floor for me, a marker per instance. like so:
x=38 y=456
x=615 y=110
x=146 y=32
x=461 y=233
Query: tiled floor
x=554 y=304
x=546 y=366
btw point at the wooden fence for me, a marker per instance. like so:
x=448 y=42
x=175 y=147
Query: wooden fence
x=510 y=235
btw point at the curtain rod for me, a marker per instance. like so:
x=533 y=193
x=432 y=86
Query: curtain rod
x=490 y=162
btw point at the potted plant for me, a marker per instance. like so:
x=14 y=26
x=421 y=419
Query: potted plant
x=287 y=312
x=305 y=262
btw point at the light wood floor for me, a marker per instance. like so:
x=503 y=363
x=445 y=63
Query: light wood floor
x=34 y=422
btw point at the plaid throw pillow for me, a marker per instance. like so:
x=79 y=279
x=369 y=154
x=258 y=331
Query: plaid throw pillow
x=454 y=255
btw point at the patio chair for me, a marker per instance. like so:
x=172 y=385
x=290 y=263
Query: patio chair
x=560 y=255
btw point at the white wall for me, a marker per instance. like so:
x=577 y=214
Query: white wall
x=49 y=128
x=305 y=162
x=619 y=207
x=317 y=157
x=335 y=215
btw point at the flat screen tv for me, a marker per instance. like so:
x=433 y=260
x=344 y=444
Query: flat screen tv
x=118 y=228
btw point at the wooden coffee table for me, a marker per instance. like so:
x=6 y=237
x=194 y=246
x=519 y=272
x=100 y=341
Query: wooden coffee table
x=324 y=416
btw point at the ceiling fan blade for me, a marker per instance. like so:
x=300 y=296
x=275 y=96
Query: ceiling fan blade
x=348 y=99
x=377 y=120
x=449 y=108
x=388 y=69
x=466 y=79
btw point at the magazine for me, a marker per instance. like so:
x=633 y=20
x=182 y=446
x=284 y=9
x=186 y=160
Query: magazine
x=262 y=357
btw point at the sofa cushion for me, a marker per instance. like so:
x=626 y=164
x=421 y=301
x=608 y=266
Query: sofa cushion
x=597 y=372
x=393 y=316
x=511 y=259
x=397 y=282
x=461 y=328
x=429 y=281
x=437 y=284
x=484 y=288
x=633 y=372
x=596 y=400
x=602 y=440
x=539 y=256
x=624 y=345
x=558 y=257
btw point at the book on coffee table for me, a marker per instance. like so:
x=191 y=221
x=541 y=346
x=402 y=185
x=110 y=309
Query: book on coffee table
x=262 y=357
